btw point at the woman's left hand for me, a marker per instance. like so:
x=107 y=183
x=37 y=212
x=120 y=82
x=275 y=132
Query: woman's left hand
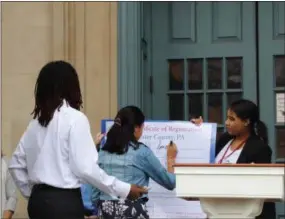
x=197 y=121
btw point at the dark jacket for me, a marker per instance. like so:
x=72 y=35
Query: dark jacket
x=255 y=151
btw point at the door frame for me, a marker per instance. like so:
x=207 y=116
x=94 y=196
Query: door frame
x=130 y=86
x=134 y=62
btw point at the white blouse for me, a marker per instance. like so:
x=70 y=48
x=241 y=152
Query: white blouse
x=230 y=157
x=62 y=155
x=8 y=188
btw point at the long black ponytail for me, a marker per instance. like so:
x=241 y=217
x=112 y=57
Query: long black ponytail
x=122 y=131
x=260 y=129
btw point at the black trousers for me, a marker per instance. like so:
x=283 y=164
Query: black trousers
x=47 y=202
x=268 y=211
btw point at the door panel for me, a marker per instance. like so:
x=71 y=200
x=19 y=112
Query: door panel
x=203 y=57
x=272 y=77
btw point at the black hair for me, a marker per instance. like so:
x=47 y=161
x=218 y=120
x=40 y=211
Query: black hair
x=122 y=131
x=246 y=109
x=57 y=80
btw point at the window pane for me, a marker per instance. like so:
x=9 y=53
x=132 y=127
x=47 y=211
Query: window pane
x=280 y=108
x=279 y=71
x=214 y=72
x=234 y=72
x=195 y=74
x=195 y=105
x=176 y=107
x=280 y=142
x=215 y=108
x=176 y=69
x=231 y=97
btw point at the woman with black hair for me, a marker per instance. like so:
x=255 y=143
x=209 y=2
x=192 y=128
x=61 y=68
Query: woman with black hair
x=245 y=141
x=131 y=161
x=57 y=153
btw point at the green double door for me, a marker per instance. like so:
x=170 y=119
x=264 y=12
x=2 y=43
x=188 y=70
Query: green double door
x=203 y=55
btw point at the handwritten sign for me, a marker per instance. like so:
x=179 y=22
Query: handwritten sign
x=280 y=107
x=196 y=144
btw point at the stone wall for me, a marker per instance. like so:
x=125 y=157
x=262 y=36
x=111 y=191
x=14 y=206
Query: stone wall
x=33 y=33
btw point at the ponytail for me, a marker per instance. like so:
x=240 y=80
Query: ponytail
x=122 y=132
x=118 y=138
x=261 y=130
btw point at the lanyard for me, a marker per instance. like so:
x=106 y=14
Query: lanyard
x=237 y=148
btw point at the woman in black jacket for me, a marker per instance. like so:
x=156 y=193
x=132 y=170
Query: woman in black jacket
x=245 y=141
